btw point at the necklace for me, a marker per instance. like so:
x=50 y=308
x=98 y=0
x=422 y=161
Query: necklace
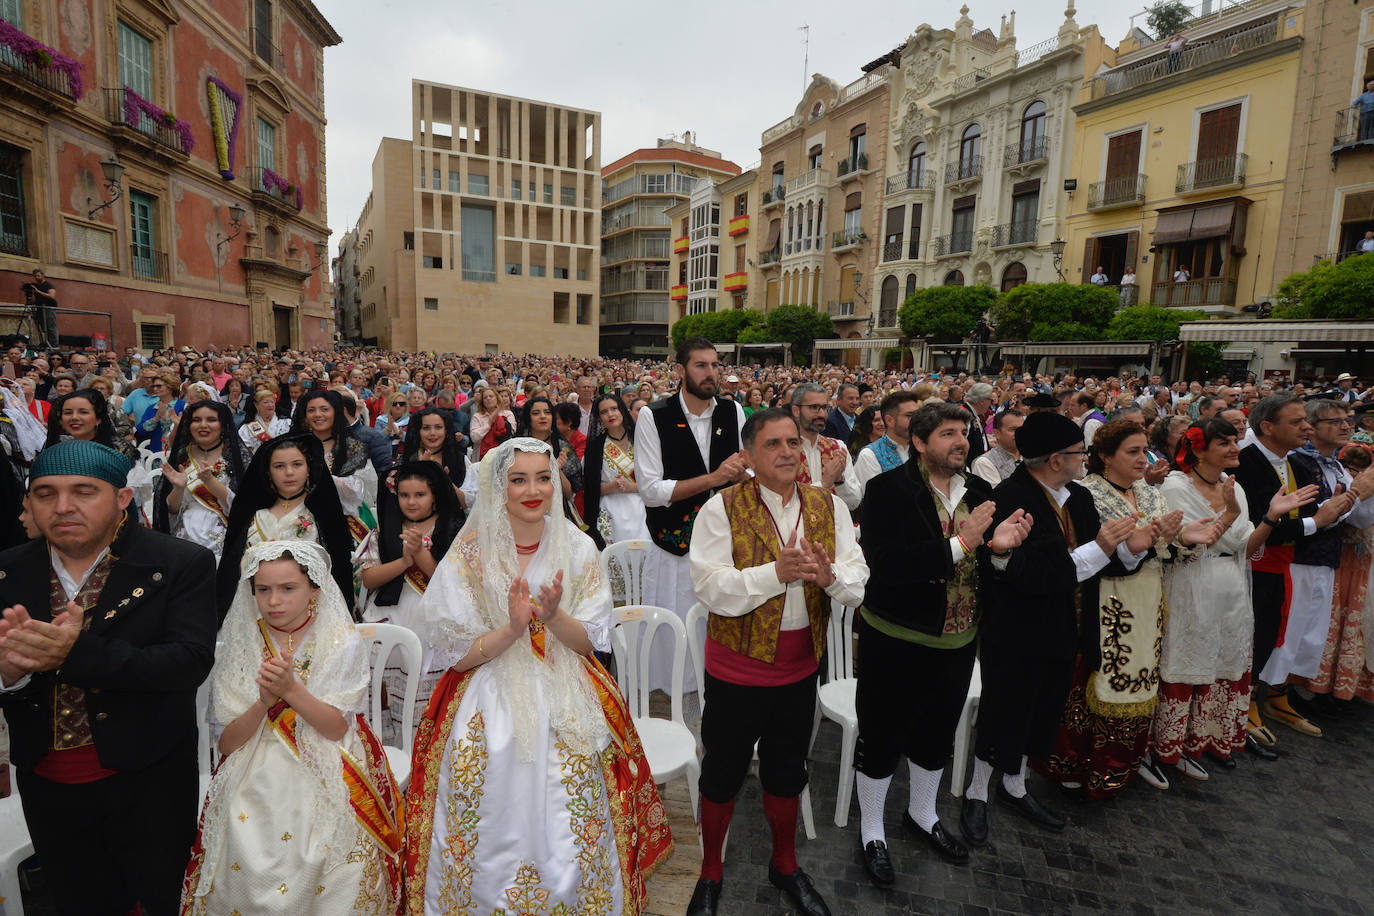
x=288 y=501
x=526 y=551
x=291 y=634
x=1116 y=486
x=619 y=438
x=1210 y=483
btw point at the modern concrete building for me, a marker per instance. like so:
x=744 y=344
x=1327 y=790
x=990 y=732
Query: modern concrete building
x=163 y=161
x=481 y=232
x=980 y=137
x=635 y=239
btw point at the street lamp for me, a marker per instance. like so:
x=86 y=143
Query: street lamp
x=320 y=249
x=236 y=226
x=113 y=172
x=1057 y=251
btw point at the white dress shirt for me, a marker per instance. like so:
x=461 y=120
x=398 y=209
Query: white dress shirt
x=866 y=465
x=957 y=488
x=847 y=487
x=1280 y=465
x=732 y=592
x=71 y=587
x=654 y=488
x=1088 y=559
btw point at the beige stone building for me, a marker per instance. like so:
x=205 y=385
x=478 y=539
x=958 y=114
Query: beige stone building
x=481 y=232
x=637 y=241
x=713 y=250
x=820 y=200
x=980 y=141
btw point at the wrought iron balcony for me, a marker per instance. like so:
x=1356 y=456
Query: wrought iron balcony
x=954 y=243
x=1031 y=149
x=1207 y=291
x=128 y=109
x=1116 y=192
x=1222 y=172
x=60 y=76
x=1229 y=44
x=892 y=251
x=149 y=264
x=265 y=51
x=1022 y=233
x=847 y=238
x=915 y=179
x=964 y=169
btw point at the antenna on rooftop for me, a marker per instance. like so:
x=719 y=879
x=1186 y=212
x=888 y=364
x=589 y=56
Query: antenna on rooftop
x=806 y=55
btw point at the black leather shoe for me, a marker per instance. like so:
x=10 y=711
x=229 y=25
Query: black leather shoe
x=798 y=887
x=1226 y=763
x=1259 y=750
x=879 y=864
x=940 y=840
x=705 y=898
x=1030 y=809
x=973 y=821
x=1328 y=707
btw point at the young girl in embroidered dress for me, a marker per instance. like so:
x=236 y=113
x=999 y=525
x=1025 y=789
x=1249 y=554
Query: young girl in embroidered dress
x=302 y=815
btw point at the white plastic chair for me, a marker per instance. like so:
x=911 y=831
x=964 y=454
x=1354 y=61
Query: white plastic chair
x=669 y=745
x=835 y=699
x=696 y=644
x=15 y=847
x=963 y=733
x=629 y=557
x=388 y=637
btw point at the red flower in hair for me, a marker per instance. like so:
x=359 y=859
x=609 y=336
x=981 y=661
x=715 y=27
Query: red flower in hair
x=1191 y=437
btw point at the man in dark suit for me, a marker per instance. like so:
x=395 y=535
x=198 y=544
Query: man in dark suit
x=977 y=402
x=108 y=629
x=840 y=422
x=923 y=526
x=1033 y=626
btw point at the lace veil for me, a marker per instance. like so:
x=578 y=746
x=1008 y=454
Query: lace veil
x=484 y=560
x=337 y=673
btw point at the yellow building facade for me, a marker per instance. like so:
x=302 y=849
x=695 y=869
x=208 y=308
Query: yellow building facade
x=1180 y=161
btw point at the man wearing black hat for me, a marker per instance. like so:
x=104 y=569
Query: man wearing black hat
x=108 y=629
x=1033 y=624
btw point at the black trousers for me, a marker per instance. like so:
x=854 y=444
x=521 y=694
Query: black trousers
x=737 y=717
x=1266 y=593
x=1021 y=706
x=909 y=700
x=106 y=845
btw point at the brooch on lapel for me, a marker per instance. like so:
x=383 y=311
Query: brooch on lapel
x=682 y=426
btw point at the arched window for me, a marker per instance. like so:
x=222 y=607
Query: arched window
x=887 y=310
x=790 y=214
x=970 y=151
x=910 y=286
x=916 y=166
x=820 y=222
x=1013 y=276
x=1033 y=132
x=954 y=278
x=810 y=224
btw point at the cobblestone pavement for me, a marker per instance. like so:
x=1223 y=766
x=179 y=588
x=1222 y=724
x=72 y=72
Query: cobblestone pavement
x=1295 y=836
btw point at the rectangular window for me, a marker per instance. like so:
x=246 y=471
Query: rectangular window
x=512 y=269
x=548 y=193
x=454 y=182
x=143 y=235
x=267 y=145
x=151 y=336
x=479 y=243
x=12 y=12
x=422 y=178
x=515 y=189
x=14 y=237
x=567 y=197
x=1123 y=156
x=438 y=181
x=537 y=270
x=432 y=262
x=656 y=184
x=961 y=226
x=1218 y=133
x=431 y=304
x=581 y=274
x=1025 y=211
x=741 y=204
x=408 y=241
x=135 y=62
x=560 y=273
x=262 y=29
x=857 y=157
x=479 y=184
x=814 y=157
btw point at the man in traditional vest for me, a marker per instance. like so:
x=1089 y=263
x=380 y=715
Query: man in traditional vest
x=825 y=461
x=690 y=449
x=1034 y=623
x=924 y=526
x=891 y=449
x=768 y=555
x=108 y=629
x=996 y=464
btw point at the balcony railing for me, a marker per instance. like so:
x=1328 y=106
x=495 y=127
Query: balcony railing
x=964 y=169
x=954 y=243
x=922 y=179
x=266 y=181
x=1352 y=128
x=847 y=238
x=892 y=251
x=840 y=309
x=1037 y=51
x=773 y=196
x=149 y=264
x=1116 y=192
x=1021 y=233
x=770 y=257
x=475 y=275
x=887 y=317
x=849 y=166
x=623 y=312
x=969 y=80
x=635 y=280
x=1031 y=149
x=126 y=107
x=264 y=50
x=806 y=180
x=61 y=76
x=1222 y=172
x=1205 y=51
x=1211 y=291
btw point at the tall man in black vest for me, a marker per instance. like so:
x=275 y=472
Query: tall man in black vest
x=108 y=629
x=689 y=451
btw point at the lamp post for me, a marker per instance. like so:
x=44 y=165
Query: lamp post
x=236 y=227
x=320 y=249
x=113 y=172
x=1057 y=252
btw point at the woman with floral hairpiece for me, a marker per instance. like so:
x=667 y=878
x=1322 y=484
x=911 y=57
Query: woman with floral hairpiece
x=204 y=468
x=528 y=782
x=303 y=815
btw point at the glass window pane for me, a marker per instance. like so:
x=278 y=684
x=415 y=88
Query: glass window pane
x=479 y=243
x=267 y=145
x=135 y=61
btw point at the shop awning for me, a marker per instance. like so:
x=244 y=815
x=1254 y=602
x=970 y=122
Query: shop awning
x=1272 y=330
x=869 y=343
x=1173 y=227
x=1204 y=221
x=1084 y=348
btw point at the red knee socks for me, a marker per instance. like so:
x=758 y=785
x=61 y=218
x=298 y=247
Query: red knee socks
x=782 y=818
x=715 y=821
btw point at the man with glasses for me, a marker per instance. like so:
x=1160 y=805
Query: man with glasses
x=1039 y=612
x=825 y=461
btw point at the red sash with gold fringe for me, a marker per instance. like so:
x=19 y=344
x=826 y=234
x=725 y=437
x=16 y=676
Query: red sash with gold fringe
x=207 y=499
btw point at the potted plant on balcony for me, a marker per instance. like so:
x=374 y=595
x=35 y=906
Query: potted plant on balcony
x=842 y=168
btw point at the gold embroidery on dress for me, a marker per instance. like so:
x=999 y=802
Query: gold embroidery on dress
x=467 y=777
x=587 y=816
x=527 y=896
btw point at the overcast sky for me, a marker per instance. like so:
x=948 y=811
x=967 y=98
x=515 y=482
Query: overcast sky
x=725 y=70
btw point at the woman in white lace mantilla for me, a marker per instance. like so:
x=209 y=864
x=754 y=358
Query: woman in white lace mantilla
x=302 y=814
x=528 y=781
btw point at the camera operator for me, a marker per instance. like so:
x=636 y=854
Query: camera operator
x=42 y=298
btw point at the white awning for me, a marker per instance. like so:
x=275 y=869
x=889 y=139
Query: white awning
x=1236 y=354
x=870 y=343
x=1084 y=348
x=1279 y=330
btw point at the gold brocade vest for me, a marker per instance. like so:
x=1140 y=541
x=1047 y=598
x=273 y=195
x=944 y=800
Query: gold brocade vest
x=71 y=721
x=754 y=541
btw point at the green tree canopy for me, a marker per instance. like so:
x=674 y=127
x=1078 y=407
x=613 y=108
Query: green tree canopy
x=717 y=327
x=799 y=325
x=1344 y=290
x=945 y=313
x=1149 y=322
x=1054 y=311
x=1167 y=17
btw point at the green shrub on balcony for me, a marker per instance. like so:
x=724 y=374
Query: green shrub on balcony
x=1344 y=290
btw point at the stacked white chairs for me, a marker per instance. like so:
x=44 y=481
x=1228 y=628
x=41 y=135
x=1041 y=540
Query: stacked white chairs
x=386 y=638
x=835 y=700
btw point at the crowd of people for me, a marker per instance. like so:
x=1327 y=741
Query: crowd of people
x=1146 y=575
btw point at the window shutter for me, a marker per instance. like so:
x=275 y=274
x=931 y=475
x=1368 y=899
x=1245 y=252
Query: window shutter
x=896 y=216
x=858 y=129
x=853 y=201
x=1089 y=258
x=1132 y=247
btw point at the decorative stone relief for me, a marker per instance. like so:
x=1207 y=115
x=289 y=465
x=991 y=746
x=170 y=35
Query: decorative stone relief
x=76 y=26
x=919 y=72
